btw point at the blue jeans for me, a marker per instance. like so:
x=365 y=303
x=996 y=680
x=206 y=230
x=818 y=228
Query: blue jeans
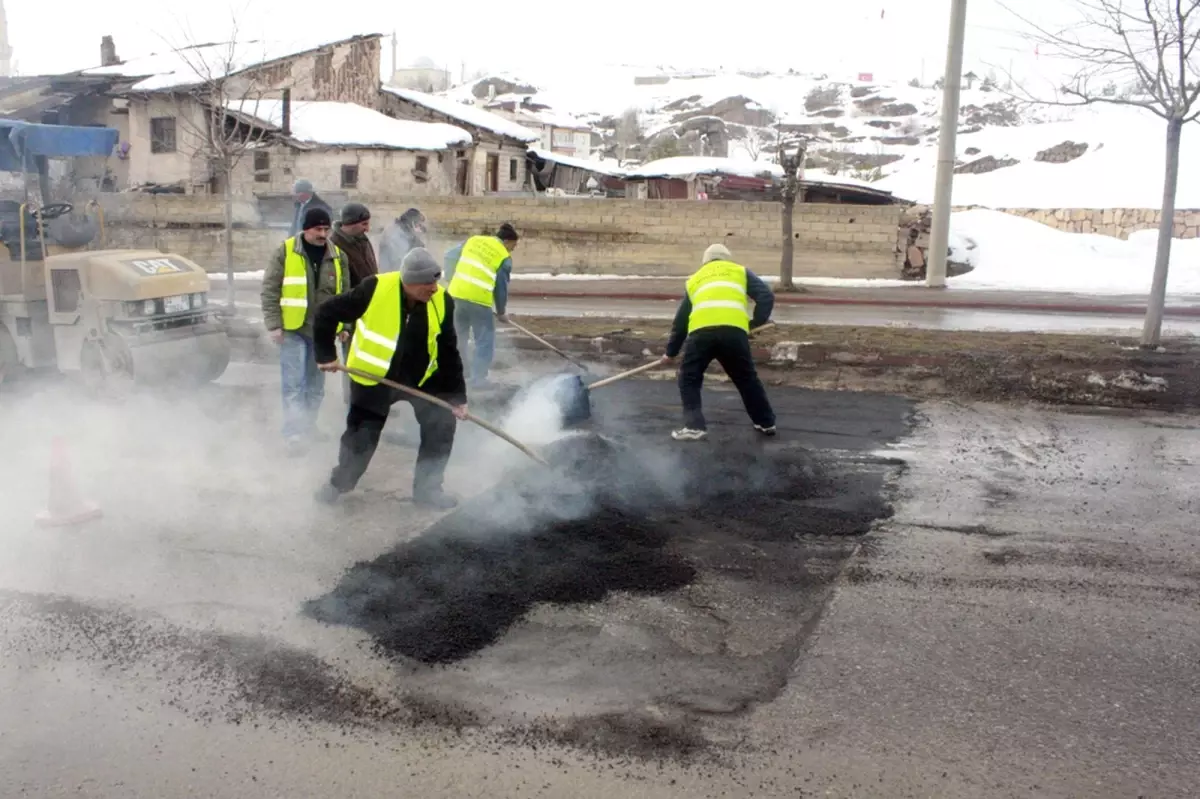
x=302 y=383
x=473 y=319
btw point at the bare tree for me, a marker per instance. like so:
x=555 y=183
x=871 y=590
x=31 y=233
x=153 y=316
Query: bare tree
x=222 y=113
x=756 y=139
x=629 y=133
x=1148 y=45
x=791 y=158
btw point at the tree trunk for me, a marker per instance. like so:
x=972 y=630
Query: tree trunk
x=785 y=260
x=1152 y=330
x=230 y=286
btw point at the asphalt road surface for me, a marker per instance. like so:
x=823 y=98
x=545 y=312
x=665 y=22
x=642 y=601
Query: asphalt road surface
x=647 y=619
x=862 y=315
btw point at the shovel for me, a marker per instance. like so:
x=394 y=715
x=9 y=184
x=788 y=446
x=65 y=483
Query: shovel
x=574 y=397
x=547 y=345
x=413 y=392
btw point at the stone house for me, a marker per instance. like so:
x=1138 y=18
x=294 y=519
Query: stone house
x=496 y=162
x=342 y=146
x=557 y=133
x=166 y=105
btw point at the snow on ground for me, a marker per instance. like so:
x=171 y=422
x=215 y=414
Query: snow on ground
x=1017 y=254
x=347 y=124
x=1122 y=168
x=468 y=114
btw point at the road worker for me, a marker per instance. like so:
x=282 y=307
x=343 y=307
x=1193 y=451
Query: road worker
x=479 y=281
x=404 y=331
x=713 y=323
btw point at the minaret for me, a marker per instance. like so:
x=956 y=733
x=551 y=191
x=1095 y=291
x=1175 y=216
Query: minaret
x=5 y=50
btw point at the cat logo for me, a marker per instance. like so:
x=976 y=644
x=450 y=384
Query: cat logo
x=158 y=266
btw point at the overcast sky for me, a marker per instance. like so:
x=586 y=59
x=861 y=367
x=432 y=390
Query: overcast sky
x=895 y=39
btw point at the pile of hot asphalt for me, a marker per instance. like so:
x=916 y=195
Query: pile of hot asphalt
x=602 y=520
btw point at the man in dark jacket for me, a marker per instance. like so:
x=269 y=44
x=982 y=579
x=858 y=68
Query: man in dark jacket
x=350 y=234
x=305 y=198
x=406 y=233
x=392 y=315
x=713 y=320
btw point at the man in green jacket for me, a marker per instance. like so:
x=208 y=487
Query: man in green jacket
x=307 y=270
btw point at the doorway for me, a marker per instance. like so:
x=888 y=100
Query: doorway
x=460 y=178
x=493 y=172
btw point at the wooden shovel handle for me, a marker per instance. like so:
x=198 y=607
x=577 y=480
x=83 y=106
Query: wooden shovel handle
x=647 y=367
x=414 y=392
x=547 y=344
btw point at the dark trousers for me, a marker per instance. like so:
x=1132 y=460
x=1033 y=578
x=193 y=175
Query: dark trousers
x=730 y=347
x=363 y=428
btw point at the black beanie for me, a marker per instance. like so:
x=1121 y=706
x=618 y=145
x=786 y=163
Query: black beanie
x=507 y=233
x=316 y=217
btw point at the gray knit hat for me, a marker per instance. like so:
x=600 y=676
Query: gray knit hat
x=302 y=186
x=353 y=213
x=717 y=252
x=419 y=268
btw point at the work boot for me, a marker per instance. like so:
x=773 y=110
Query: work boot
x=688 y=434
x=766 y=431
x=327 y=494
x=434 y=498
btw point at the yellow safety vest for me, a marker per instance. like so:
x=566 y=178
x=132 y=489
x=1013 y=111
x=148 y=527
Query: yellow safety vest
x=377 y=332
x=718 y=295
x=475 y=273
x=293 y=299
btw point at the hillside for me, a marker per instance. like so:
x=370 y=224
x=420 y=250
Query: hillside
x=1010 y=154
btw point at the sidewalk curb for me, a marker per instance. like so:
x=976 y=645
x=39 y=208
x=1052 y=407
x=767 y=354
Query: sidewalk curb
x=805 y=299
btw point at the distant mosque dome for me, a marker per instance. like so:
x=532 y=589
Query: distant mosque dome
x=424 y=62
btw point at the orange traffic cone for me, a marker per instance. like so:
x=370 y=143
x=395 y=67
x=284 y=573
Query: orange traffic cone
x=67 y=507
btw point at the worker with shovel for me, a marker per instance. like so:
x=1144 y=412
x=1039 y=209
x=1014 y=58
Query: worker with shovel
x=479 y=280
x=714 y=321
x=404 y=332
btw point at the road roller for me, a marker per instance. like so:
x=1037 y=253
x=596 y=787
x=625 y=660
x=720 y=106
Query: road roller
x=106 y=315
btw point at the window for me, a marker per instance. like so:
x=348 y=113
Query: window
x=262 y=167
x=65 y=285
x=349 y=176
x=512 y=169
x=323 y=68
x=162 y=135
x=422 y=163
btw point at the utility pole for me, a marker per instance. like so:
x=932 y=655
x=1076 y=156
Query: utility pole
x=939 y=233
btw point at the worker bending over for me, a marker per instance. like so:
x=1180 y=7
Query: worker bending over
x=479 y=277
x=714 y=321
x=404 y=331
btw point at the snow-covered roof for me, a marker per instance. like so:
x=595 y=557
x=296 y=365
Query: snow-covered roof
x=688 y=166
x=600 y=167
x=349 y=125
x=467 y=114
x=542 y=116
x=198 y=64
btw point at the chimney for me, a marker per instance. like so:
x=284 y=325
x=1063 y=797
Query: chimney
x=285 y=125
x=108 y=52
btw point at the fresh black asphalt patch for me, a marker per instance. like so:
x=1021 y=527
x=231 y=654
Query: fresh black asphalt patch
x=611 y=518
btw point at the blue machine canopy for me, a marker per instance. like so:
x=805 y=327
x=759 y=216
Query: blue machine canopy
x=21 y=141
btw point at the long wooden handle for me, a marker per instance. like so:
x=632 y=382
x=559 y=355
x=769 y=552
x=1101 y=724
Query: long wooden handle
x=608 y=381
x=414 y=392
x=647 y=367
x=547 y=344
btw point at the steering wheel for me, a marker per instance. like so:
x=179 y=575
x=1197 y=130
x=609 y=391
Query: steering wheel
x=54 y=211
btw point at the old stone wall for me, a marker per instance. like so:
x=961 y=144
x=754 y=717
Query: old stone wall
x=1118 y=222
x=573 y=235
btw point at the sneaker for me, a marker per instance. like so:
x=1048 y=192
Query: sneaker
x=327 y=494
x=436 y=499
x=766 y=431
x=688 y=434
